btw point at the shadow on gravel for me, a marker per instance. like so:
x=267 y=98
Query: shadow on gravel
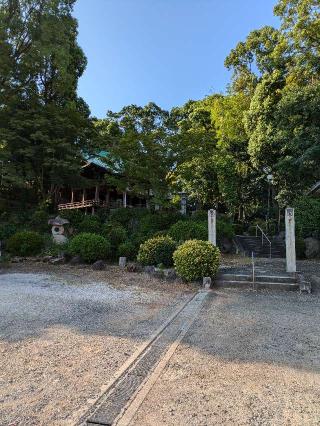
x=235 y=325
x=260 y=327
x=32 y=303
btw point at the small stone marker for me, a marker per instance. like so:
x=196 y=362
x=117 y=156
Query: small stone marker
x=122 y=262
x=212 y=233
x=206 y=283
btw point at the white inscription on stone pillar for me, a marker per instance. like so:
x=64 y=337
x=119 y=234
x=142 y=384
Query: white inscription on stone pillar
x=183 y=204
x=290 y=241
x=212 y=227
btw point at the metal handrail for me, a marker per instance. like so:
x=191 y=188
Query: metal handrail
x=263 y=235
x=253 y=271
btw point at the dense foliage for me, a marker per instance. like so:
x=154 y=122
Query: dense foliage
x=89 y=224
x=128 y=250
x=44 y=125
x=90 y=247
x=248 y=153
x=156 y=251
x=25 y=243
x=307 y=212
x=196 y=259
x=188 y=230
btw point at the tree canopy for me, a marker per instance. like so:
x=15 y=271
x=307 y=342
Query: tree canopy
x=219 y=150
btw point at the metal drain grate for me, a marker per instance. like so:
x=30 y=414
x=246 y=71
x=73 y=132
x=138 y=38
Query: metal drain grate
x=110 y=407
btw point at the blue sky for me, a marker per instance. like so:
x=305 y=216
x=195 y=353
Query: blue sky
x=165 y=51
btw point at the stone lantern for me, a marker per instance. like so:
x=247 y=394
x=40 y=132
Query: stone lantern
x=58 y=229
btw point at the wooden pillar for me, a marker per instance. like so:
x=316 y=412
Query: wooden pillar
x=72 y=195
x=96 y=195
x=108 y=198
x=83 y=195
x=124 y=199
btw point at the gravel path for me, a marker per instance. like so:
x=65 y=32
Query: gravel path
x=64 y=333
x=249 y=359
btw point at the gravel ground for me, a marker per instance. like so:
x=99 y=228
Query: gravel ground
x=249 y=359
x=64 y=331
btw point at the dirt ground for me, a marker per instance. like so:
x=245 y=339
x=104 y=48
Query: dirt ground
x=64 y=331
x=249 y=359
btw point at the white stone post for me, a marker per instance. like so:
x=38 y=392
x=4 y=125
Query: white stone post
x=212 y=230
x=183 y=203
x=290 y=241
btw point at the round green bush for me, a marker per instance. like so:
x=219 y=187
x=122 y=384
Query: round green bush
x=25 y=243
x=90 y=247
x=90 y=224
x=188 y=230
x=115 y=233
x=157 y=250
x=128 y=250
x=196 y=259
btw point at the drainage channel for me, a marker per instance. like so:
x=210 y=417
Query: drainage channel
x=112 y=406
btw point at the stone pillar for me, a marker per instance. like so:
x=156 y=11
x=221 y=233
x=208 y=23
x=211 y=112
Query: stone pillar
x=212 y=229
x=290 y=241
x=183 y=203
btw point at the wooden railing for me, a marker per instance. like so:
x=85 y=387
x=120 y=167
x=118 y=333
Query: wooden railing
x=81 y=204
x=95 y=203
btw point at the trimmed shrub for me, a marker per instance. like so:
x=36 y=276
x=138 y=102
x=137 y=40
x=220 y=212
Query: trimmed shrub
x=196 y=259
x=128 y=250
x=188 y=230
x=90 y=247
x=115 y=233
x=90 y=224
x=25 y=243
x=157 y=250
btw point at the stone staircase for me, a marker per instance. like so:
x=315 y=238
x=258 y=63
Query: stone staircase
x=283 y=281
x=249 y=244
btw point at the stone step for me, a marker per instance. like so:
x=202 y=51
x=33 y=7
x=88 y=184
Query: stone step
x=257 y=285
x=258 y=278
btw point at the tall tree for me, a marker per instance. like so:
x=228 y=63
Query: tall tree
x=44 y=125
x=135 y=139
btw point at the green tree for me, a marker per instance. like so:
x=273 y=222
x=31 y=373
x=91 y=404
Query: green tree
x=44 y=125
x=135 y=139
